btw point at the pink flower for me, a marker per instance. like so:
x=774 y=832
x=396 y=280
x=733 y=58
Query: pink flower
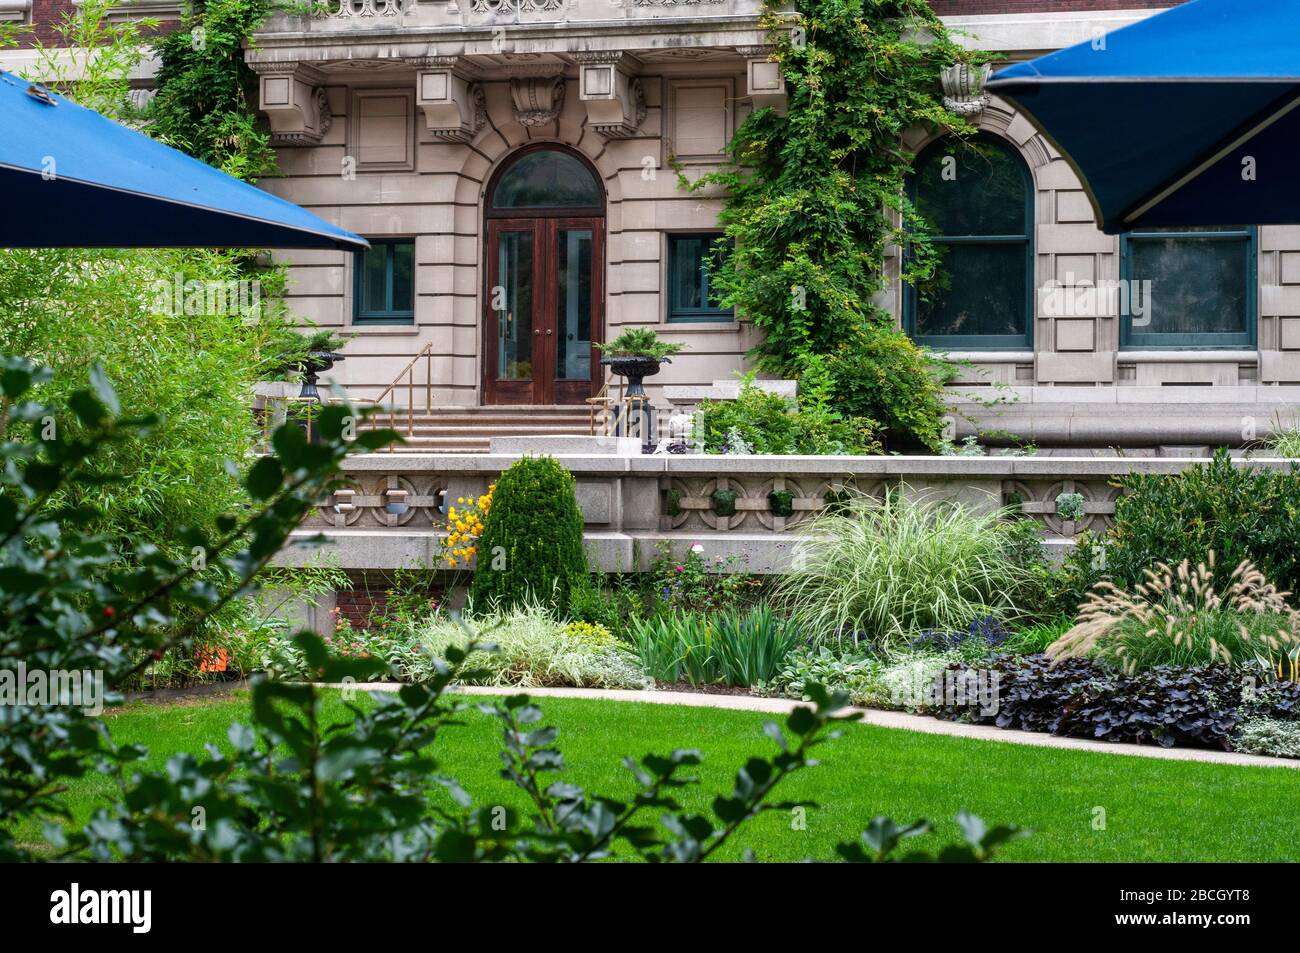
x=680 y=568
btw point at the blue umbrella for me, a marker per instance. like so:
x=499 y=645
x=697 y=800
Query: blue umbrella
x=71 y=178
x=1186 y=118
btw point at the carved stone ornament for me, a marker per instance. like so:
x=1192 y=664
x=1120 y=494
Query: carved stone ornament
x=963 y=89
x=537 y=99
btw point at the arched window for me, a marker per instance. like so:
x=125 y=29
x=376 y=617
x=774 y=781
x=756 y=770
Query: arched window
x=546 y=179
x=978 y=200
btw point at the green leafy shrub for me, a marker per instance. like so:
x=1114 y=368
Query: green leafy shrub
x=727 y=648
x=882 y=375
x=202 y=106
x=1069 y=506
x=769 y=423
x=1238 y=513
x=1178 y=617
x=534 y=651
x=1276 y=737
x=882 y=571
x=531 y=548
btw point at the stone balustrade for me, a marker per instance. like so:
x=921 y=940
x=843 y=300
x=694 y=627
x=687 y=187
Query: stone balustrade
x=392 y=512
x=407 y=15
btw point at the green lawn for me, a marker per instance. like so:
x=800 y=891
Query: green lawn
x=1154 y=810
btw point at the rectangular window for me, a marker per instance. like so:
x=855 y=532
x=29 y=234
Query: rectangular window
x=1188 y=288
x=690 y=259
x=384 y=291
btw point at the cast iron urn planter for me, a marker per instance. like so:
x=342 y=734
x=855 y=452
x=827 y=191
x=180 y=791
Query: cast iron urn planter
x=636 y=368
x=316 y=362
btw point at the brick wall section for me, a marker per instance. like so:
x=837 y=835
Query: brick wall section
x=366 y=596
x=48 y=14
x=948 y=8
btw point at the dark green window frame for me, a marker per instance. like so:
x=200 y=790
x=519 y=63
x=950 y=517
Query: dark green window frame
x=678 y=313
x=387 y=311
x=976 y=342
x=1131 y=338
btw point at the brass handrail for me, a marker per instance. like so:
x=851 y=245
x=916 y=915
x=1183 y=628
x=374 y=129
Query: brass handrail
x=407 y=372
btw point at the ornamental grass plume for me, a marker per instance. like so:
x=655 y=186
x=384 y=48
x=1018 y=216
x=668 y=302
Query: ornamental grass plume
x=1178 y=617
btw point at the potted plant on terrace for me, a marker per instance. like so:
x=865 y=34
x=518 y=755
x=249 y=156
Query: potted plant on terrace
x=636 y=354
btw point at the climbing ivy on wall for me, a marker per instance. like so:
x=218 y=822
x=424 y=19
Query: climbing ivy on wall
x=815 y=202
x=206 y=92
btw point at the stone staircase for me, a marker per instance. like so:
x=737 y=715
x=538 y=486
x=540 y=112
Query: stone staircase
x=471 y=429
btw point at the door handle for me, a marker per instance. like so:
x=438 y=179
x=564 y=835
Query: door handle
x=549 y=332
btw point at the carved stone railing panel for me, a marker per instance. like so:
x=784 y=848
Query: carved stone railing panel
x=688 y=503
x=1036 y=499
x=389 y=500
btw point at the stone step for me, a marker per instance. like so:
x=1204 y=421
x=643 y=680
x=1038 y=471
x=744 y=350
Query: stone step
x=470 y=429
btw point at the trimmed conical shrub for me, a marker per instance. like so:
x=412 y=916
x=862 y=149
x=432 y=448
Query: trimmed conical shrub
x=531 y=547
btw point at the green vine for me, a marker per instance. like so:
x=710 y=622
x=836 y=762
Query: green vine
x=205 y=104
x=815 y=204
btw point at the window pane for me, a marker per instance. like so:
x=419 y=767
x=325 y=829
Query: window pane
x=515 y=317
x=1197 y=285
x=691 y=261
x=403 y=276
x=685 y=261
x=375 y=279
x=573 y=336
x=982 y=291
x=547 y=179
x=971 y=191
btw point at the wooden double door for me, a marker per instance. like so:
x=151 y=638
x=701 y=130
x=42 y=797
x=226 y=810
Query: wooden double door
x=544 y=309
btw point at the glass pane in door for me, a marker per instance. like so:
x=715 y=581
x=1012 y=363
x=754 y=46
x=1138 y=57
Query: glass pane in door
x=512 y=299
x=573 y=305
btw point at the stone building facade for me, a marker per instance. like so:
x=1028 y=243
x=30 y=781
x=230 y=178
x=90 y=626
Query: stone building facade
x=516 y=165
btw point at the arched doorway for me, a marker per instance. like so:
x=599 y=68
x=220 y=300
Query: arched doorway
x=544 y=296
